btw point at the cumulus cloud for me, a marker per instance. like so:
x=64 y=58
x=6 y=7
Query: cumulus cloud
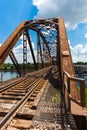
x=46 y=32
x=79 y=52
x=18 y=51
x=73 y=12
x=85 y=35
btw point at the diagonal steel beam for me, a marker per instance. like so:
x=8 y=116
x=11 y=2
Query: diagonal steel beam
x=8 y=45
x=31 y=48
x=15 y=62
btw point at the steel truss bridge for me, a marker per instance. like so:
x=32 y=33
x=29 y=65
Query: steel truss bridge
x=52 y=50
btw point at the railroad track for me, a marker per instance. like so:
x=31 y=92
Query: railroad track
x=18 y=99
x=22 y=80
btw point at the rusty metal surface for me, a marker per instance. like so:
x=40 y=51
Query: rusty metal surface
x=53 y=48
x=42 y=26
x=65 y=57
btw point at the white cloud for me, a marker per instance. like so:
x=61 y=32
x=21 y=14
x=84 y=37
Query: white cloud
x=85 y=35
x=73 y=12
x=79 y=52
x=46 y=32
x=18 y=51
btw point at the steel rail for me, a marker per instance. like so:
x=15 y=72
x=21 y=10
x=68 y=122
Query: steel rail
x=16 y=108
x=11 y=85
x=22 y=79
x=27 y=81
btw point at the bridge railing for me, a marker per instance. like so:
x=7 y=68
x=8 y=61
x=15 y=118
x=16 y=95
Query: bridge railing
x=67 y=80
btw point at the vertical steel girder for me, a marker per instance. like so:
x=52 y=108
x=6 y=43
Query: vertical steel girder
x=58 y=53
x=24 y=52
x=65 y=56
x=39 y=45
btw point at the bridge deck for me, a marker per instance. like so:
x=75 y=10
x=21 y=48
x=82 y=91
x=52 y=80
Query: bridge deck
x=48 y=109
x=52 y=113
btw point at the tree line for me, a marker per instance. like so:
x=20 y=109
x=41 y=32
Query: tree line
x=30 y=66
x=11 y=67
x=80 y=63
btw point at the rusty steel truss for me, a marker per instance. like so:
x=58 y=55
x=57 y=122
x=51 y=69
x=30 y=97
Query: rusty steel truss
x=52 y=48
x=46 y=30
x=52 y=45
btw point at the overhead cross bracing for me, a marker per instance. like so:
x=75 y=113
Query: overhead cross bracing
x=46 y=39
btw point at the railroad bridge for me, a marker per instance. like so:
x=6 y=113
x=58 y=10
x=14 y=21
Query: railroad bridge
x=48 y=97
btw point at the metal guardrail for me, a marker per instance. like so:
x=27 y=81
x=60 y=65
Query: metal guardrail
x=67 y=79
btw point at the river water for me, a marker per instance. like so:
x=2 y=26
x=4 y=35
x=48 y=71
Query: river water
x=9 y=75
x=83 y=77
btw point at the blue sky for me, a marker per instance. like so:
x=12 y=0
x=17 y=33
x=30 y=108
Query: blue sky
x=13 y=12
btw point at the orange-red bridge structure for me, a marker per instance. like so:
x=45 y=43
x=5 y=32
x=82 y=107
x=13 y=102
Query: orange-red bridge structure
x=52 y=50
